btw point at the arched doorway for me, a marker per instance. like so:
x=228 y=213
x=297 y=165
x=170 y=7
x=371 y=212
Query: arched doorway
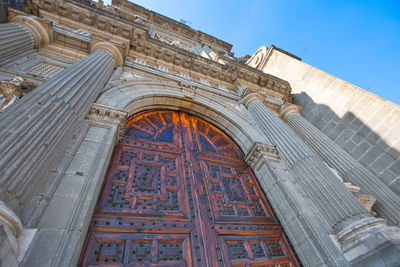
x=178 y=193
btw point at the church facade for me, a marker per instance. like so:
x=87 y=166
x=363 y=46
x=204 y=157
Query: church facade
x=128 y=138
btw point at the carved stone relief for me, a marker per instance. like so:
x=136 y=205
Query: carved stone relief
x=107 y=114
x=260 y=150
x=11 y=90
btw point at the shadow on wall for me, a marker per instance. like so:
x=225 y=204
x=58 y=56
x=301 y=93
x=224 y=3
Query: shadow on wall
x=356 y=138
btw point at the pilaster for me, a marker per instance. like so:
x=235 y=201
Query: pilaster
x=109 y=115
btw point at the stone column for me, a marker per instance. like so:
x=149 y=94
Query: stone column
x=37 y=128
x=387 y=202
x=305 y=226
x=21 y=34
x=358 y=233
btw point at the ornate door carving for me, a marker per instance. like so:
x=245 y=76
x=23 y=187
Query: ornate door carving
x=178 y=193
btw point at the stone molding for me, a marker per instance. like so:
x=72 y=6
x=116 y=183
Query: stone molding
x=260 y=150
x=288 y=109
x=39 y=32
x=188 y=90
x=273 y=104
x=371 y=231
x=109 y=115
x=250 y=96
x=12 y=225
x=112 y=49
x=74 y=15
x=128 y=9
x=259 y=58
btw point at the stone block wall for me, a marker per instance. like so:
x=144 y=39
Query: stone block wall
x=365 y=125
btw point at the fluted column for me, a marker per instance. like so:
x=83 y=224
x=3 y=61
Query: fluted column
x=358 y=233
x=21 y=34
x=35 y=130
x=14 y=39
x=387 y=202
x=336 y=203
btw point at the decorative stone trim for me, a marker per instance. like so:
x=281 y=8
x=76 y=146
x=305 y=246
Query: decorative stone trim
x=288 y=109
x=259 y=58
x=250 y=96
x=260 y=150
x=11 y=90
x=112 y=49
x=274 y=104
x=366 y=237
x=109 y=115
x=188 y=90
x=39 y=32
x=102 y=24
x=12 y=225
x=366 y=200
x=45 y=70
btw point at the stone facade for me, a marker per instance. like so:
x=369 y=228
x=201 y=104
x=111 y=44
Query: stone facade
x=363 y=124
x=86 y=68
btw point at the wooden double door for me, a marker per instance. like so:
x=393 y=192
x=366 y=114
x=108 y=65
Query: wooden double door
x=178 y=193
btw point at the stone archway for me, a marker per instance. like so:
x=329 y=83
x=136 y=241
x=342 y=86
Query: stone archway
x=89 y=167
x=177 y=189
x=221 y=110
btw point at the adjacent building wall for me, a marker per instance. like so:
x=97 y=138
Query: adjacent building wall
x=365 y=125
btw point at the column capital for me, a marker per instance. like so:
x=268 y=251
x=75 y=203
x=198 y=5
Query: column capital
x=109 y=115
x=260 y=150
x=39 y=29
x=288 y=109
x=249 y=96
x=115 y=52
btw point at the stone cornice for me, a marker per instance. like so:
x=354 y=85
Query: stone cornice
x=260 y=150
x=169 y=24
x=180 y=80
x=109 y=115
x=104 y=25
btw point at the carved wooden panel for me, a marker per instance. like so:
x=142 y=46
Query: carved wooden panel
x=178 y=193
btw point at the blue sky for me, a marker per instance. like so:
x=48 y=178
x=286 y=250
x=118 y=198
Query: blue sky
x=357 y=41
